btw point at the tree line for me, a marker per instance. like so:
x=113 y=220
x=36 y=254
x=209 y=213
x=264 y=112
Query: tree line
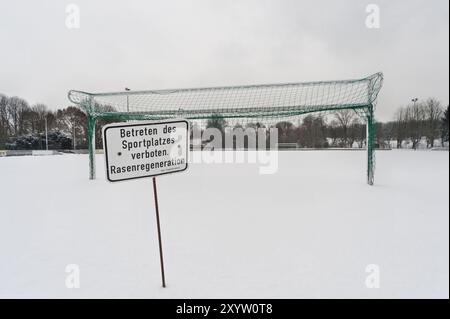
x=23 y=126
x=420 y=120
x=425 y=122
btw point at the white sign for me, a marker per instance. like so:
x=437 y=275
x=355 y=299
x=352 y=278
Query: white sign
x=145 y=149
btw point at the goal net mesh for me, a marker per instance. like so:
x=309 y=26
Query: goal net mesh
x=265 y=104
x=252 y=102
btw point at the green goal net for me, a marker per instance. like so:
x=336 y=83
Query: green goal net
x=249 y=103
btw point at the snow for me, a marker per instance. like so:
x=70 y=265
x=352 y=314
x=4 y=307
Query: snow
x=308 y=231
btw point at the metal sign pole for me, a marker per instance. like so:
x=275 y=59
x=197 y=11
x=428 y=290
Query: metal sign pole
x=155 y=193
x=127 y=153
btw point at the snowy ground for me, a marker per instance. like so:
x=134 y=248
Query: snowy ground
x=308 y=231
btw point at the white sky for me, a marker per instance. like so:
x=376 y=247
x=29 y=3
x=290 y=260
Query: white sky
x=189 y=43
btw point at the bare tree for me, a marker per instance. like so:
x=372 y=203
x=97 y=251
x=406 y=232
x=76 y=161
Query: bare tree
x=17 y=109
x=415 y=116
x=311 y=133
x=358 y=133
x=388 y=130
x=401 y=126
x=432 y=113
x=286 y=132
x=445 y=125
x=40 y=113
x=4 y=120
x=345 y=118
x=334 y=131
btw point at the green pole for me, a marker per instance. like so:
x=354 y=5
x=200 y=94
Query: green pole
x=91 y=144
x=370 y=141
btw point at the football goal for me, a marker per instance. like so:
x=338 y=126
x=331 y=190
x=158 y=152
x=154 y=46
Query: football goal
x=248 y=103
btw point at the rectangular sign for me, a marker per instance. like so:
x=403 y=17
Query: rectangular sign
x=145 y=149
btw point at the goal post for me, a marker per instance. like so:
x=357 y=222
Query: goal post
x=243 y=104
x=370 y=142
x=91 y=123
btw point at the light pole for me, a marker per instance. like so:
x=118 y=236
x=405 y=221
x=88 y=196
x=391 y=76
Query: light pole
x=128 y=105
x=74 y=138
x=46 y=133
x=414 y=100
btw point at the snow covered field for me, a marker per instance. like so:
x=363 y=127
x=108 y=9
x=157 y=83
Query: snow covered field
x=308 y=231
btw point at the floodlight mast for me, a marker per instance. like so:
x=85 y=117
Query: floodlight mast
x=128 y=101
x=46 y=133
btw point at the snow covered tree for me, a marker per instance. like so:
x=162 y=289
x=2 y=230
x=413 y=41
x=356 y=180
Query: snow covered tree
x=57 y=140
x=72 y=121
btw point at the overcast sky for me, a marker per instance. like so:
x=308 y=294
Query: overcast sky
x=174 y=44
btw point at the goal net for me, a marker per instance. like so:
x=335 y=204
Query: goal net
x=239 y=104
